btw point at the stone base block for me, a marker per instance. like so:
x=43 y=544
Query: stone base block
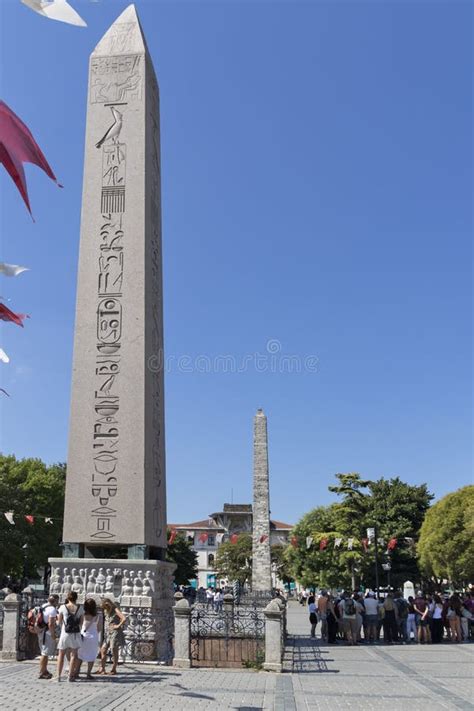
x=142 y=588
x=274 y=667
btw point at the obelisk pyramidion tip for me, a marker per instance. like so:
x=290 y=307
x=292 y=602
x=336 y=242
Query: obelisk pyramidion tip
x=124 y=36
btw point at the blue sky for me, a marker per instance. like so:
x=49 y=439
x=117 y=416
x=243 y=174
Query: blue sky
x=317 y=192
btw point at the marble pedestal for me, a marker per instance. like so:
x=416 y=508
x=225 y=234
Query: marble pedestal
x=142 y=588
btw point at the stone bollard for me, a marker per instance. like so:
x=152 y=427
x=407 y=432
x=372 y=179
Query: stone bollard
x=228 y=603
x=11 y=627
x=273 y=637
x=182 y=632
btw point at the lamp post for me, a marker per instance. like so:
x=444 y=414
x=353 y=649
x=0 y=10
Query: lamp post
x=372 y=536
x=387 y=567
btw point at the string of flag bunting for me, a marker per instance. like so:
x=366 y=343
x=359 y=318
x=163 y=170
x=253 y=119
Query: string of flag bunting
x=349 y=543
x=29 y=518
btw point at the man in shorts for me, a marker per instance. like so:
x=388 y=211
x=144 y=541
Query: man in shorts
x=47 y=637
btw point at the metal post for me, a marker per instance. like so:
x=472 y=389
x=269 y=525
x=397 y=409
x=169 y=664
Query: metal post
x=376 y=565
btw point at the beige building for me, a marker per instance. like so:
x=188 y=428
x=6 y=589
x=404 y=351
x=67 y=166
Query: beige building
x=207 y=535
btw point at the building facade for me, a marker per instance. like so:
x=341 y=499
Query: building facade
x=207 y=535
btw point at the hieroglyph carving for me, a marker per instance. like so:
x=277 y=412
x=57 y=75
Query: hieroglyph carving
x=110 y=261
x=116 y=79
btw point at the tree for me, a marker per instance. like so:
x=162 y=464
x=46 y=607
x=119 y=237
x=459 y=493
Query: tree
x=445 y=546
x=394 y=507
x=234 y=560
x=30 y=487
x=181 y=553
x=280 y=564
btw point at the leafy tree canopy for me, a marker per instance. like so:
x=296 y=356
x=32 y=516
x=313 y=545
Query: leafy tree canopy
x=181 y=553
x=445 y=546
x=29 y=486
x=395 y=508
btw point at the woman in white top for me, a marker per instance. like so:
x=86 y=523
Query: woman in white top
x=313 y=618
x=436 y=613
x=89 y=648
x=70 y=620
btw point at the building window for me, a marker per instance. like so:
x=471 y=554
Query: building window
x=211 y=540
x=210 y=560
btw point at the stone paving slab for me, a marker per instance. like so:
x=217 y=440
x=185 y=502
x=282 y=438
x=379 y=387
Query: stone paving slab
x=318 y=678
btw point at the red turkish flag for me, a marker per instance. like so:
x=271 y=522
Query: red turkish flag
x=203 y=537
x=17 y=146
x=172 y=537
x=294 y=542
x=30 y=519
x=365 y=544
x=323 y=543
x=392 y=544
x=263 y=539
x=7 y=315
x=234 y=538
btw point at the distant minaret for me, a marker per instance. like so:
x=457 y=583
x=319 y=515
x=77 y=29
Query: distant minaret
x=261 y=566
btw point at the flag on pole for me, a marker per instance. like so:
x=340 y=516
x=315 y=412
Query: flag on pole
x=337 y=542
x=9 y=516
x=48 y=520
x=365 y=544
x=294 y=541
x=172 y=536
x=392 y=544
x=30 y=519
x=323 y=543
x=309 y=541
x=59 y=10
x=220 y=537
x=234 y=538
x=350 y=542
x=203 y=537
x=263 y=539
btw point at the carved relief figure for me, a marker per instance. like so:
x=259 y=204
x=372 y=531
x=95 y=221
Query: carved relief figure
x=77 y=584
x=91 y=582
x=138 y=584
x=127 y=588
x=114 y=129
x=67 y=582
x=100 y=581
x=109 y=582
x=55 y=582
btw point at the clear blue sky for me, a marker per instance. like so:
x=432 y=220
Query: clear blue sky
x=317 y=190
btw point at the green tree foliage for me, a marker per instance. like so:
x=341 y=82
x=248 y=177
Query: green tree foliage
x=445 y=546
x=29 y=486
x=280 y=564
x=181 y=553
x=394 y=507
x=234 y=560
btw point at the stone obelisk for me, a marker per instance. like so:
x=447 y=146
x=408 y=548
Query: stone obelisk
x=261 y=565
x=115 y=504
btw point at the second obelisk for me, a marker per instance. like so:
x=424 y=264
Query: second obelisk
x=261 y=563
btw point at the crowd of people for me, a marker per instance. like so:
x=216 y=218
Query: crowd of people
x=71 y=632
x=356 y=618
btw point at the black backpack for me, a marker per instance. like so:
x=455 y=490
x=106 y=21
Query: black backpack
x=71 y=626
x=402 y=606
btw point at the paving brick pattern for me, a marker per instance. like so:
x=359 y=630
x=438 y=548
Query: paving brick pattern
x=317 y=678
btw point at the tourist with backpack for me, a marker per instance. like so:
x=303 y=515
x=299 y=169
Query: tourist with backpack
x=402 y=608
x=42 y=622
x=70 y=620
x=390 y=620
x=348 y=610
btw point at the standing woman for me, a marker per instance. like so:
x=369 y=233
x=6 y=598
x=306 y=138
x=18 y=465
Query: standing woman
x=453 y=616
x=436 y=612
x=313 y=618
x=90 y=637
x=331 y=620
x=70 y=620
x=114 y=638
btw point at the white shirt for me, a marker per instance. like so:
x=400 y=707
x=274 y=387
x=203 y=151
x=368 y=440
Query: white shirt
x=49 y=611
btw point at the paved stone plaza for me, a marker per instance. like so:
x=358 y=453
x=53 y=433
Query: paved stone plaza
x=317 y=678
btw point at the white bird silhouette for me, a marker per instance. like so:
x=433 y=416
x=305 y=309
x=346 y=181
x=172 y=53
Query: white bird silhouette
x=114 y=130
